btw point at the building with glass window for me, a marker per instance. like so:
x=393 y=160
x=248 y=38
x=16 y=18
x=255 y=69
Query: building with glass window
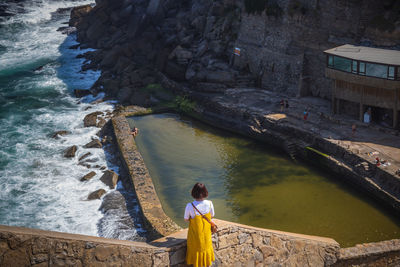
x=365 y=78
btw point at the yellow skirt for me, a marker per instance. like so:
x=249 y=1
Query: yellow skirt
x=200 y=251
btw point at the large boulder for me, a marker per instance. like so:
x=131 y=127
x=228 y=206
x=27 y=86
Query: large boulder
x=96 y=194
x=111 y=57
x=223 y=77
x=95 y=31
x=70 y=152
x=88 y=176
x=93 y=144
x=77 y=13
x=81 y=92
x=110 y=179
x=93 y=119
x=85 y=156
x=140 y=98
x=57 y=134
x=124 y=94
x=175 y=71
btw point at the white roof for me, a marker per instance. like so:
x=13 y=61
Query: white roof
x=377 y=55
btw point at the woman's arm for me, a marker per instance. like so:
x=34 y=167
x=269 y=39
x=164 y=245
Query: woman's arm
x=187 y=213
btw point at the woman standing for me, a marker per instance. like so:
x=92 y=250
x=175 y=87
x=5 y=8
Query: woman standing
x=199 y=245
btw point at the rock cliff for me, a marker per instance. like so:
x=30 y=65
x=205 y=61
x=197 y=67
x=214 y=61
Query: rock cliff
x=192 y=42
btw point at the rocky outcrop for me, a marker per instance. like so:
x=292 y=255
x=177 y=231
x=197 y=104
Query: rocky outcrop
x=96 y=194
x=81 y=93
x=84 y=156
x=110 y=179
x=77 y=14
x=57 y=134
x=93 y=144
x=94 y=119
x=70 y=152
x=88 y=176
x=281 y=43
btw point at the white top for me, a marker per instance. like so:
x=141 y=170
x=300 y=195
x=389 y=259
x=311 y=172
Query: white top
x=204 y=206
x=367 y=118
x=378 y=55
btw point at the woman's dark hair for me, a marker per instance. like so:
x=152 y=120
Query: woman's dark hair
x=199 y=190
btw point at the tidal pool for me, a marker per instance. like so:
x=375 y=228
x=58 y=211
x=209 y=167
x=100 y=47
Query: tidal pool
x=254 y=184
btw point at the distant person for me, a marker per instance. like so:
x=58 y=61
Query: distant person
x=282 y=103
x=305 y=114
x=377 y=162
x=386 y=121
x=286 y=104
x=353 y=130
x=367 y=116
x=135 y=131
x=198 y=213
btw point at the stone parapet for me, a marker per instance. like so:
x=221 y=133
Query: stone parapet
x=385 y=253
x=158 y=224
x=234 y=245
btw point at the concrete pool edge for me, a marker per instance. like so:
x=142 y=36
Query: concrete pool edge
x=382 y=251
x=157 y=223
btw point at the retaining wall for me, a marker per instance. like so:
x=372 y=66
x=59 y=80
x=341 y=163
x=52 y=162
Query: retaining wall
x=234 y=244
x=157 y=223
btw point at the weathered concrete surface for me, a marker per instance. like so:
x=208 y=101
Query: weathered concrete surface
x=386 y=253
x=242 y=245
x=158 y=224
x=234 y=245
x=32 y=247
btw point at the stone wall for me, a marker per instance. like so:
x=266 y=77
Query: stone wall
x=385 y=253
x=287 y=50
x=157 y=223
x=234 y=245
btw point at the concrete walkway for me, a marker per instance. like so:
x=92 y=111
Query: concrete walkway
x=369 y=141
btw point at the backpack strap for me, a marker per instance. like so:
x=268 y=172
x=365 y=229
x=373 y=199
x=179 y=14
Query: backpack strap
x=201 y=214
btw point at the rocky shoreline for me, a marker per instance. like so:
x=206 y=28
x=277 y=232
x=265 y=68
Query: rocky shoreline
x=165 y=54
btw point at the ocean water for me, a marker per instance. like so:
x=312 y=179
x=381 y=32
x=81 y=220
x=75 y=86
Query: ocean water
x=39 y=188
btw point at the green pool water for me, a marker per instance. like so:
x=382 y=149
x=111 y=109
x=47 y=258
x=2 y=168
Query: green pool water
x=254 y=184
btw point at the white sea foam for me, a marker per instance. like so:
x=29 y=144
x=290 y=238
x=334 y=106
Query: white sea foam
x=38 y=186
x=36 y=11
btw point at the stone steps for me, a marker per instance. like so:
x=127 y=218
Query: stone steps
x=244 y=81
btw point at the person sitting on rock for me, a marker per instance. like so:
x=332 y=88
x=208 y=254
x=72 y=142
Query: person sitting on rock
x=135 y=131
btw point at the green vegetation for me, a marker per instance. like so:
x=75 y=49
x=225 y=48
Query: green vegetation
x=152 y=88
x=271 y=7
x=184 y=104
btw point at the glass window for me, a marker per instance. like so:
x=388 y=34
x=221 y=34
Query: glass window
x=391 y=73
x=398 y=73
x=354 y=67
x=343 y=64
x=376 y=70
x=330 y=61
x=362 y=68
